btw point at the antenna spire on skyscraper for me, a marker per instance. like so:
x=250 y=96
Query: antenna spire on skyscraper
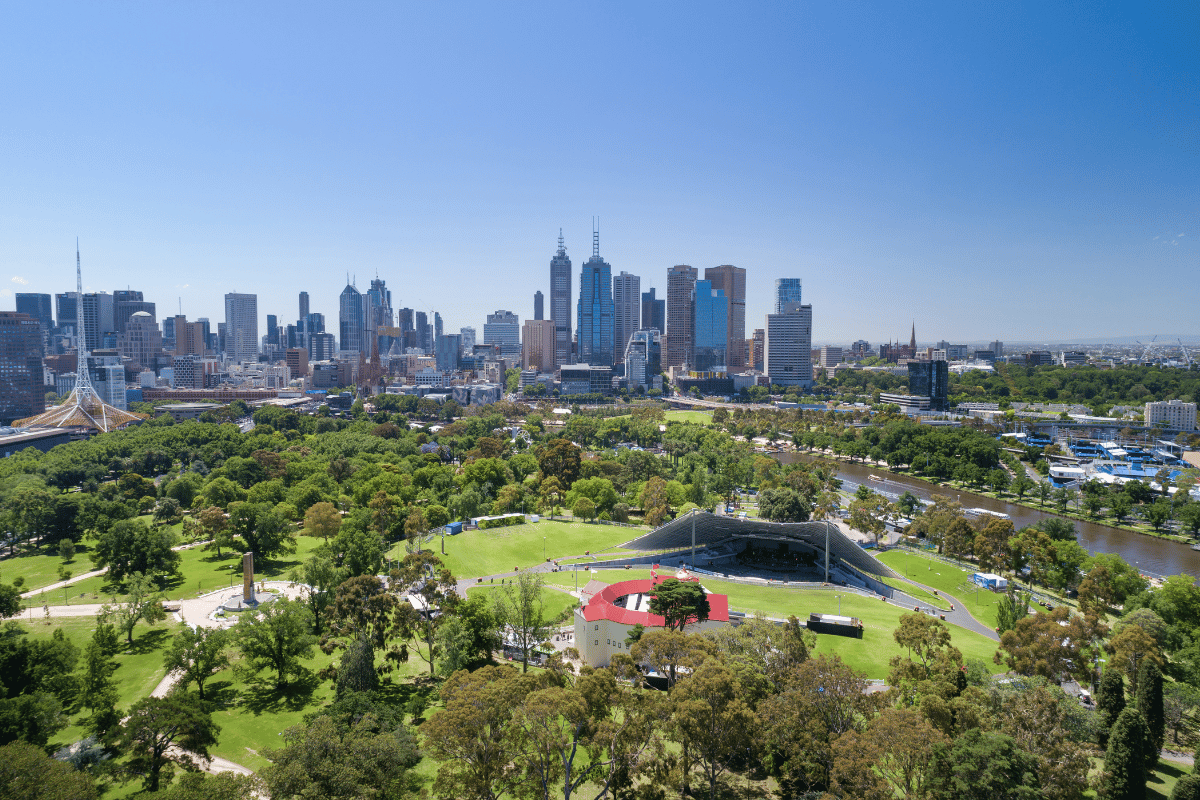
x=595 y=237
x=562 y=248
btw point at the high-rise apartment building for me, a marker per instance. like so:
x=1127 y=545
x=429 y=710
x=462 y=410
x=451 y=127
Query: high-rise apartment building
x=758 y=345
x=787 y=290
x=654 y=312
x=627 y=311
x=538 y=349
x=539 y=308
x=997 y=349
x=731 y=281
x=643 y=358
x=788 y=346
x=352 y=323
x=595 y=311
x=37 y=306
x=422 y=330
x=97 y=318
x=681 y=281
x=468 y=339
x=504 y=328
x=22 y=390
x=303 y=306
x=710 y=314
x=241 y=327
x=560 y=302
x=1175 y=415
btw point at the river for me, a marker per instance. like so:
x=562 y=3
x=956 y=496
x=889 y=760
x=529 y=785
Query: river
x=1149 y=554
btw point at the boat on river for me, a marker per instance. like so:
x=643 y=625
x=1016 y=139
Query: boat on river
x=979 y=512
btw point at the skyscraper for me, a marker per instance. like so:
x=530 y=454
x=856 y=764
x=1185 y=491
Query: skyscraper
x=787 y=290
x=788 y=345
x=66 y=310
x=22 y=393
x=930 y=379
x=272 y=329
x=241 y=327
x=36 y=306
x=97 y=318
x=732 y=281
x=537 y=345
x=303 y=306
x=678 y=348
x=421 y=329
x=539 y=309
x=449 y=350
x=378 y=314
x=352 y=323
x=560 y=301
x=467 y=338
x=627 y=311
x=710 y=314
x=504 y=328
x=595 y=312
x=141 y=340
x=654 y=312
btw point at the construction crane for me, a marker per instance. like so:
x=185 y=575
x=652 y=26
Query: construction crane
x=1186 y=355
x=1146 y=353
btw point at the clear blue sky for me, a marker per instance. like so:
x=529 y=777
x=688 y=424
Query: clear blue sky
x=1023 y=171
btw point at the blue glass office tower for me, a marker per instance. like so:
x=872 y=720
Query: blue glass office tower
x=710 y=328
x=595 y=310
x=787 y=290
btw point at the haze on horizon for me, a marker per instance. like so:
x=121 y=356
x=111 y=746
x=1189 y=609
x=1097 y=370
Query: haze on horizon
x=1026 y=172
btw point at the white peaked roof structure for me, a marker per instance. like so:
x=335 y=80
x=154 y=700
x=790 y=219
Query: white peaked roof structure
x=83 y=408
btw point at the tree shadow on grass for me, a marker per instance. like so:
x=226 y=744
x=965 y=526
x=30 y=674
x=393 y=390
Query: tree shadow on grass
x=148 y=642
x=263 y=696
x=220 y=693
x=1155 y=785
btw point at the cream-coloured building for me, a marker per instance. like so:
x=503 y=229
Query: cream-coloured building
x=610 y=612
x=1178 y=416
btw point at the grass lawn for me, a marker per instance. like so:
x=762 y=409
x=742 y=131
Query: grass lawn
x=869 y=654
x=1163 y=779
x=945 y=578
x=554 y=602
x=40 y=567
x=201 y=571
x=698 y=417
x=488 y=552
x=915 y=592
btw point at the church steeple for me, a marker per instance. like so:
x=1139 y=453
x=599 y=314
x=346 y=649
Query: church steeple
x=912 y=342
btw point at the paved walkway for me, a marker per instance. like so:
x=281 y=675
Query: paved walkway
x=77 y=578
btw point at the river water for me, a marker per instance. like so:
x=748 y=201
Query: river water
x=1151 y=555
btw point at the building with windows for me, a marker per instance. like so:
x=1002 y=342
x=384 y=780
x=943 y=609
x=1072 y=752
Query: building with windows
x=710 y=315
x=643 y=358
x=504 y=329
x=560 y=302
x=296 y=359
x=585 y=379
x=1073 y=358
x=831 y=356
x=539 y=305
x=352 y=322
x=467 y=336
x=595 y=313
x=758 y=348
x=141 y=340
x=788 y=346
x=627 y=311
x=97 y=318
x=930 y=379
x=538 y=345
x=448 y=352
x=1176 y=415
x=22 y=383
x=241 y=327
x=787 y=290
x=654 y=312
x=731 y=281
x=677 y=348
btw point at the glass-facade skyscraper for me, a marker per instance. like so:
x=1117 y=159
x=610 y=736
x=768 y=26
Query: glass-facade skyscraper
x=654 y=312
x=595 y=311
x=560 y=302
x=710 y=329
x=352 y=323
x=787 y=290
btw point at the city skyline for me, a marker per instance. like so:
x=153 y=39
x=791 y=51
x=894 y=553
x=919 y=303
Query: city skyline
x=900 y=164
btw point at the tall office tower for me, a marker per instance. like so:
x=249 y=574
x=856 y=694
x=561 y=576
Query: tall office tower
x=351 y=322
x=303 y=306
x=437 y=324
x=538 y=345
x=168 y=333
x=710 y=315
x=22 y=390
x=627 y=311
x=997 y=348
x=420 y=327
x=449 y=350
x=654 y=312
x=321 y=347
x=208 y=342
x=379 y=311
x=504 y=328
x=220 y=348
x=404 y=319
x=787 y=290
x=468 y=339
x=930 y=379
x=97 y=318
x=732 y=281
x=141 y=340
x=37 y=306
x=539 y=309
x=788 y=345
x=677 y=350
x=123 y=309
x=560 y=302
x=758 y=350
x=272 y=329
x=241 y=327
x=66 y=310
x=595 y=311
x=643 y=358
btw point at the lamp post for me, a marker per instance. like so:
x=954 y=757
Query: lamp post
x=543 y=548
